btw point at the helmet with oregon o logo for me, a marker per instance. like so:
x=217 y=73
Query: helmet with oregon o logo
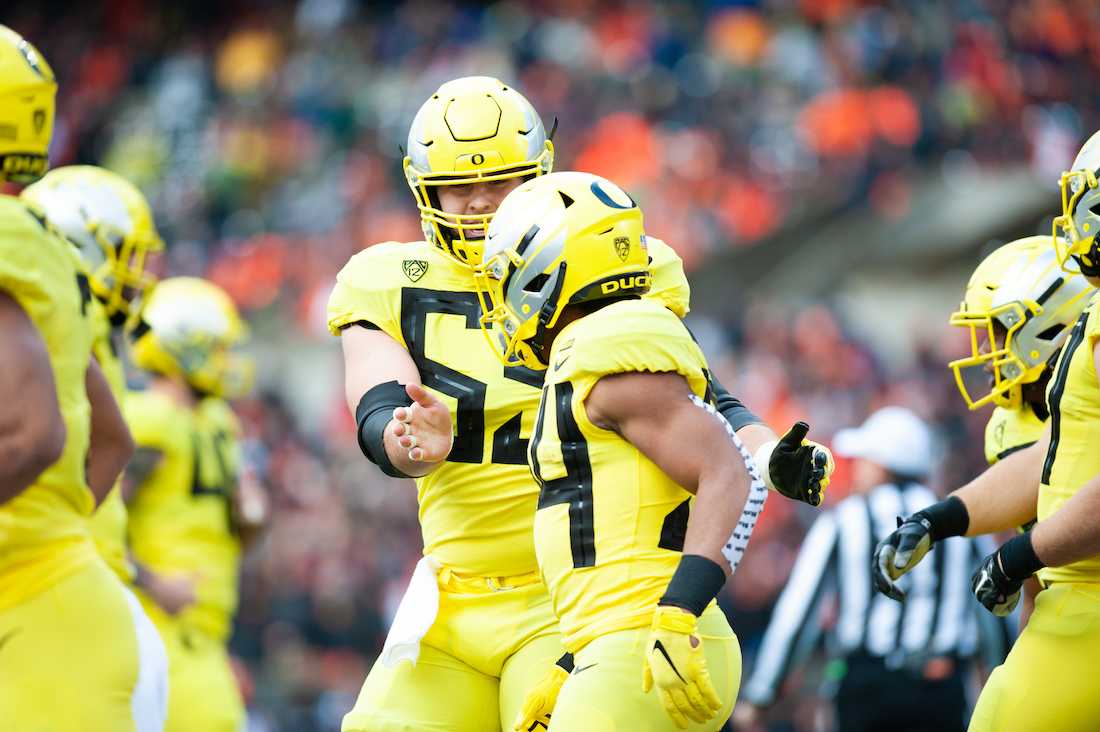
x=27 y=92
x=111 y=223
x=1019 y=307
x=1076 y=229
x=193 y=327
x=558 y=240
x=472 y=130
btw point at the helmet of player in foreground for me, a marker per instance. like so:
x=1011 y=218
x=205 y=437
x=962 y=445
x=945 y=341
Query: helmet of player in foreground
x=472 y=130
x=1019 y=308
x=27 y=102
x=1076 y=229
x=558 y=240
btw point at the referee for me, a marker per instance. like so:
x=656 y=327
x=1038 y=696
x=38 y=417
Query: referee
x=902 y=667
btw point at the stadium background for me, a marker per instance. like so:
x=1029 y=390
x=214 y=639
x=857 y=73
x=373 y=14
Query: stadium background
x=830 y=171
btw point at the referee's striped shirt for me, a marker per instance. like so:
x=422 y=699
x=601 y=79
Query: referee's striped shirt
x=938 y=618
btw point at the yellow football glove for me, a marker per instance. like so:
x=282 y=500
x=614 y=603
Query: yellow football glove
x=675 y=664
x=540 y=700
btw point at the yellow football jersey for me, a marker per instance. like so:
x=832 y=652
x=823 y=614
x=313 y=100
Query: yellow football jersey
x=1009 y=430
x=180 y=517
x=108 y=523
x=44 y=531
x=1073 y=458
x=476 y=509
x=610 y=525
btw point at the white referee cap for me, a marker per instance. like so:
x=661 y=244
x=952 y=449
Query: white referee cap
x=893 y=437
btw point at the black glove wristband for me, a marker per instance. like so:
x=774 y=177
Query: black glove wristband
x=947 y=518
x=695 y=583
x=1018 y=558
x=566 y=662
x=374 y=412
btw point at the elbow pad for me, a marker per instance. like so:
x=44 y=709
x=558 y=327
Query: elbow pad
x=374 y=412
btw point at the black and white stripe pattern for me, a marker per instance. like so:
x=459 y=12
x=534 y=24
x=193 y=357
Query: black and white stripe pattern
x=938 y=618
x=754 y=503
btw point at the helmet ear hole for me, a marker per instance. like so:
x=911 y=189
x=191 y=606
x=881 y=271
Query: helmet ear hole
x=1051 y=333
x=537 y=283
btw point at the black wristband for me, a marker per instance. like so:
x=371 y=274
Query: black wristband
x=374 y=412
x=947 y=518
x=566 y=662
x=1018 y=558
x=695 y=583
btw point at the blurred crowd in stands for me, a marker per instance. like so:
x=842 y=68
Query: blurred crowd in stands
x=267 y=135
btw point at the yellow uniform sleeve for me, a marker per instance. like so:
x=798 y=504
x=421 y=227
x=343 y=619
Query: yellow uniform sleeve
x=22 y=230
x=368 y=290
x=1009 y=430
x=670 y=286
x=633 y=335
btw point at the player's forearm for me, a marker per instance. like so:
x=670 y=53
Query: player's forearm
x=1005 y=495
x=1072 y=533
x=719 y=501
x=22 y=461
x=111 y=444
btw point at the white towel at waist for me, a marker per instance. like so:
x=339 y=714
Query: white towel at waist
x=414 y=616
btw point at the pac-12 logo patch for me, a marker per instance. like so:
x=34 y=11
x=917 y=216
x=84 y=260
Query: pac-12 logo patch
x=414 y=268
x=622 y=247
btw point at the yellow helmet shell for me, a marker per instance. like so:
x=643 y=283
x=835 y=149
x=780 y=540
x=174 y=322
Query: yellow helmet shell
x=27 y=102
x=193 y=327
x=1020 y=305
x=558 y=240
x=111 y=223
x=1074 y=235
x=472 y=130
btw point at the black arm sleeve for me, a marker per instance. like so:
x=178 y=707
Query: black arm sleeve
x=732 y=408
x=373 y=414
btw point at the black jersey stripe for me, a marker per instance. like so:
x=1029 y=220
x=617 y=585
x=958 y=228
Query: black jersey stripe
x=1054 y=399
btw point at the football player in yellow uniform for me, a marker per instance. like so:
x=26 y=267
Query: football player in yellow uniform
x=111 y=223
x=188 y=515
x=1047 y=681
x=641 y=486
x=69 y=630
x=1019 y=308
x=433 y=402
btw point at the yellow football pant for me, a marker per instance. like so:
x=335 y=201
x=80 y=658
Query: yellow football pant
x=604 y=692
x=81 y=657
x=487 y=648
x=1049 y=681
x=203 y=692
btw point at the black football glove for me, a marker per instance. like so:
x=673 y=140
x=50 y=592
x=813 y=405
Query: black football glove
x=796 y=467
x=997 y=581
x=903 y=549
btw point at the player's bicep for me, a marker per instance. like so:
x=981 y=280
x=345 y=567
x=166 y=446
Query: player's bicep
x=654 y=412
x=372 y=357
x=31 y=424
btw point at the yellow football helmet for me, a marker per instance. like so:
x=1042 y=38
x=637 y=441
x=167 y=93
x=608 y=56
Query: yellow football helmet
x=558 y=240
x=1020 y=305
x=472 y=130
x=111 y=223
x=1075 y=230
x=193 y=327
x=27 y=91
